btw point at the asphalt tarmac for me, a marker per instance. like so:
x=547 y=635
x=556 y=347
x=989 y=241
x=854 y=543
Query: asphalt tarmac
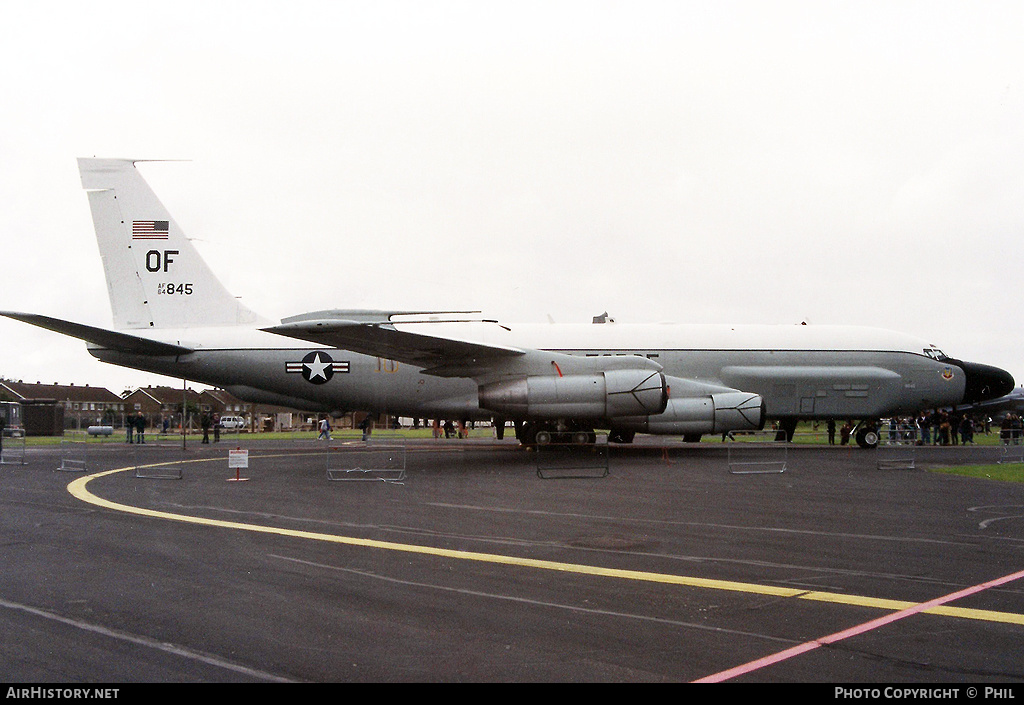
x=470 y=561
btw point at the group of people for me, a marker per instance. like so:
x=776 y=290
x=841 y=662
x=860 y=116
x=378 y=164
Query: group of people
x=366 y=426
x=208 y=420
x=135 y=427
x=442 y=429
x=939 y=427
x=936 y=428
x=135 y=423
x=450 y=429
x=1011 y=430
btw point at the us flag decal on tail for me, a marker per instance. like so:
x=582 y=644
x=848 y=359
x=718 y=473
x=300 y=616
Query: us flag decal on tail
x=150 y=229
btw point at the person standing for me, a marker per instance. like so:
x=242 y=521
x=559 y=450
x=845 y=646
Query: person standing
x=844 y=433
x=366 y=426
x=325 y=430
x=140 y=429
x=966 y=430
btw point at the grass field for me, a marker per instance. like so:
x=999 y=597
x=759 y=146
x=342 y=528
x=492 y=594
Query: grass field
x=1012 y=472
x=806 y=434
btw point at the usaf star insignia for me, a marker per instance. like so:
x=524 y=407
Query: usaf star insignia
x=317 y=367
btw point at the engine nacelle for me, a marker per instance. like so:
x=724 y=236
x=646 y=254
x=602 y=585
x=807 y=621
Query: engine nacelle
x=602 y=395
x=714 y=413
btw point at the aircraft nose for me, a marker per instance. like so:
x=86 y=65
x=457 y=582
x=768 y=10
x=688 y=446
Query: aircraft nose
x=984 y=382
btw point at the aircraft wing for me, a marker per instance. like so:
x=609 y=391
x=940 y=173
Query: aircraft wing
x=100 y=337
x=374 y=333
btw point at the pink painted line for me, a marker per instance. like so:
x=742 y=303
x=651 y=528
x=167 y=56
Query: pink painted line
x=854 y=631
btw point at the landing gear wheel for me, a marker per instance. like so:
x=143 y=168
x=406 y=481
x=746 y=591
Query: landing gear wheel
x=621 y=436
x=867 y=437
x=582 y=438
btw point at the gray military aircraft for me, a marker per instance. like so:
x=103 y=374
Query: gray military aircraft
x=998 y=407
x=556 y=382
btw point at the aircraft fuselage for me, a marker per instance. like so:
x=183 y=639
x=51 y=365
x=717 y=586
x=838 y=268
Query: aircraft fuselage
x=800 y=371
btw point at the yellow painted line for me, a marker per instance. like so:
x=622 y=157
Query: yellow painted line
x=79 y=490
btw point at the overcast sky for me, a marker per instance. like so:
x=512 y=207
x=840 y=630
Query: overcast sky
x=741 y=162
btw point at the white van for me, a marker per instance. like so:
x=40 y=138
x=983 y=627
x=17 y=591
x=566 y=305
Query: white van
x=235 y=422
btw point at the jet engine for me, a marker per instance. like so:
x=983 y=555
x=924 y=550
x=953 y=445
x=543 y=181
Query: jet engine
x=695 y=408
x=602 y=395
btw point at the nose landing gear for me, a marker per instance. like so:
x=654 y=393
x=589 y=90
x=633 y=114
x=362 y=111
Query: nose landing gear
x=867 y=434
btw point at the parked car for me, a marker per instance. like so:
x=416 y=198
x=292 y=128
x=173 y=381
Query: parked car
x=234 y=422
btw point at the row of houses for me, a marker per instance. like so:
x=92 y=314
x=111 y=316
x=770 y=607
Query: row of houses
x=50 y=409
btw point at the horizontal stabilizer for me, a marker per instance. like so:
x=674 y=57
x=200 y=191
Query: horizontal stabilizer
x=101 y=337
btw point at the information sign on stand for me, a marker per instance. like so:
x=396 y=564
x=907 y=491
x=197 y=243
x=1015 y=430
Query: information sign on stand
x=238 y=459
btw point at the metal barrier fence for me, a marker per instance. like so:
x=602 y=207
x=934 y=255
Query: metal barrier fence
x=897 y=447
x=13 y=450
x=896 y=456
x=898 y=434
x=1011 y=453
x=380 y=459
x=562 y=461
x=158 y=471
x=73 y=456
x=758 y=453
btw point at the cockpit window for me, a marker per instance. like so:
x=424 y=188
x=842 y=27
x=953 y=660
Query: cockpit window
x=935 y=354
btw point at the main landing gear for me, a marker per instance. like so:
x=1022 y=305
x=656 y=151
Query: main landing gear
x=532 y=433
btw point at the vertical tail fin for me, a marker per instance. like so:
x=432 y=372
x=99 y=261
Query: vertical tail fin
x=155 y=277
